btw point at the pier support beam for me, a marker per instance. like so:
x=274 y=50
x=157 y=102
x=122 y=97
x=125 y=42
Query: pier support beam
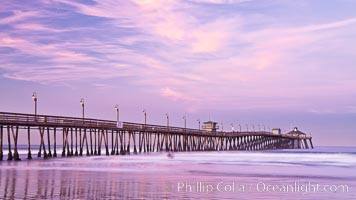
x=80 y=143
x=158 y=142
x=91 y=142
x=100 y=136
x=86 y=142
x=122 y=139
x=1 y=143
x=55 y=143
x=306 y=144
x=15 y=135
x=112 y=143
x=42 y=144
x=95 y=139
x=134 y=140
x=71 y=141
x=117 y=143
x=65 y=143
x=107 y=142
x=49 y=143
x=128 y=143
x=76 y=142
x=311 y=143
x=9 y=156
x=29 y=156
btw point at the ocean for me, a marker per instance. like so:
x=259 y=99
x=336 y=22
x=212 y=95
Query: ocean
x=320 y=173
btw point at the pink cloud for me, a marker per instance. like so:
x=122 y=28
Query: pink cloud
x=19 y=15
x=175 y=95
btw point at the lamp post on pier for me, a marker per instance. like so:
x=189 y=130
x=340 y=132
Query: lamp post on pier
x=29 y=155
x=247 y=127
x=82 y=103
x=34 y=97
x=145 y=115
x=185 y=123
x=117 y=112
x=240 y=127
x=118 y=126
x=167 y=121
x=198 y=120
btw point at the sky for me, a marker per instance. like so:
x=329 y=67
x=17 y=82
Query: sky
x=256 y=63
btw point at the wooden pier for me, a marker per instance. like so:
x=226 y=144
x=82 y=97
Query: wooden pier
x=84 y=136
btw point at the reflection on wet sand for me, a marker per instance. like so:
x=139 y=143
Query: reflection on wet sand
x=65 y=184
